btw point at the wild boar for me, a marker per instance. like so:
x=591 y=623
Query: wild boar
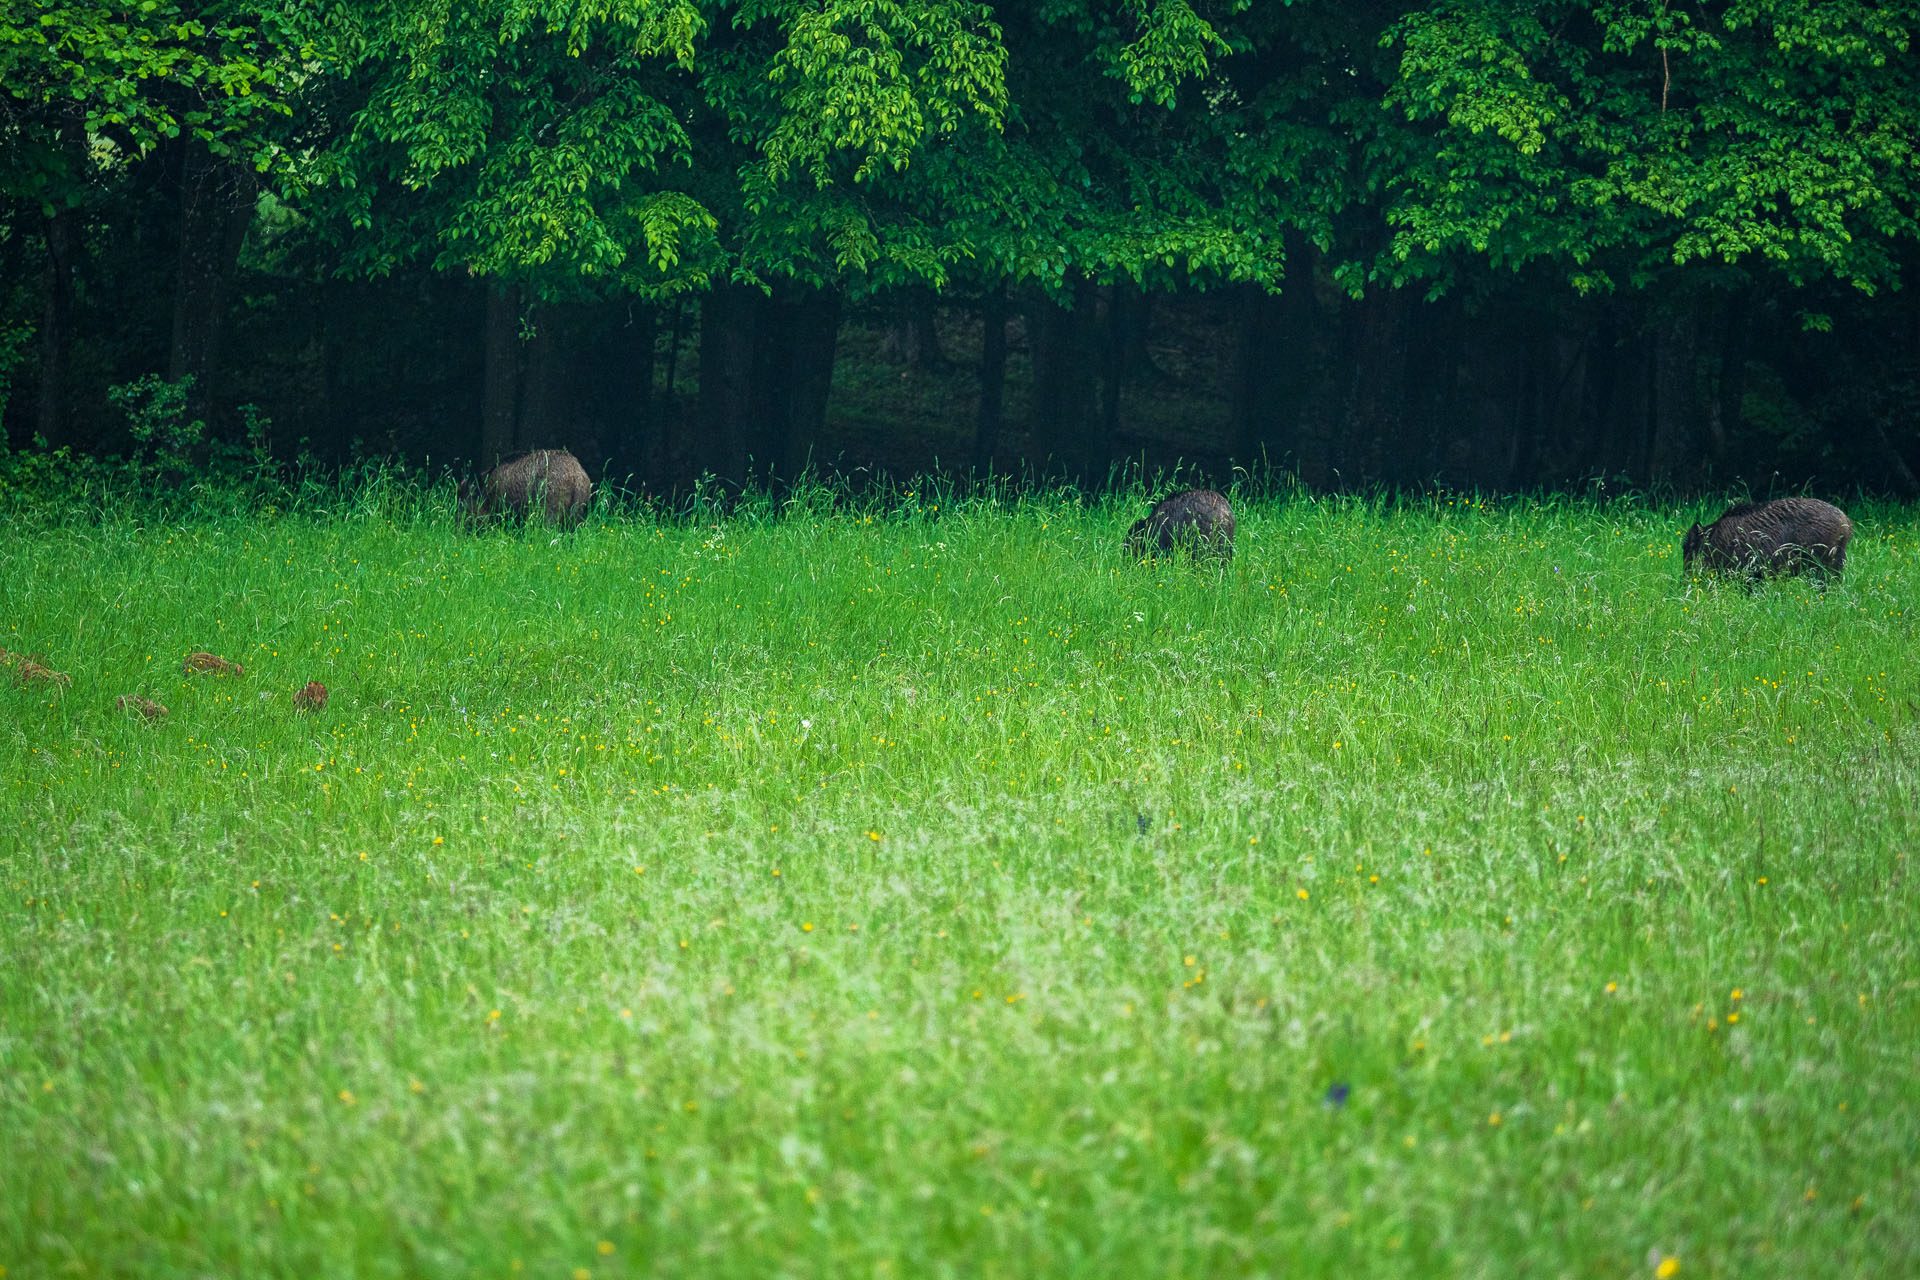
x=547 y=482
x=1198 y=521
x=311 y=698
x=1787 y=535
x=27 y=670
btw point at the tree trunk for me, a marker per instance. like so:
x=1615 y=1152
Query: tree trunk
x=1532 y=384
x=676 y=336
x=217 y=201
x=769 y=421
x=1899 y=475
x=15 y=425
x=1253 y=408
x=1596 y=458
x=539 y=423
x=680 y=449
x=1561 y=432
x=1045 y=321
x=1090 y=447
x=330 y=414
x=794 y=336
x=1435 y=351
x=911 y=338
x=1280 y=367
x=1113 y=362
x=1131 y=318
x=815 y=316
x=501 y=382
x=1372 y=407
x=1626 y=398
x=993 y=379
x=56 y=326
x=1675 y=407
x=1063 y=435
x=629 y=420
x=61 y=230
x=729 y=332
x=1723 y=411
x=1641 y=384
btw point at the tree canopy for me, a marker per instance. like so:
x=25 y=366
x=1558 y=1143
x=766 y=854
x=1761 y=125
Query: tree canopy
x=582 y=151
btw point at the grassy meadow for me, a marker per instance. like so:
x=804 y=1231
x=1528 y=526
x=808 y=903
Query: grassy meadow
x=1448 y=889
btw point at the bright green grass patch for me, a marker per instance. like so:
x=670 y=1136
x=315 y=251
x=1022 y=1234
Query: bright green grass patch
x=937 y=893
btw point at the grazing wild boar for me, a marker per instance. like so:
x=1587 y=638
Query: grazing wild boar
x=211 y=664
x=1787 y=535
x=146 y=708
x=1198 y=521
x=26 y=670
x=311 y=698
x=552 y=478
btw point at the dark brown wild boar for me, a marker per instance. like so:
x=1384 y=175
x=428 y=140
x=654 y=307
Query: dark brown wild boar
x=547 y=482
x=27 y=670
x=1198 y=521
x=1787 y=535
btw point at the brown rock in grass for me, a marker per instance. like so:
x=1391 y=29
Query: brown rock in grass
x=211 y=664
x=1197 y=521
x=311 y=698
x=146 y=708
x=1787 y=535
x=27 y=671
x=549 y=483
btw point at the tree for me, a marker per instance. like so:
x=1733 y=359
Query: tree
x=642 y=149
x=91 y=90
x=1620 y=141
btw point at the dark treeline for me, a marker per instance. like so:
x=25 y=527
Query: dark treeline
x=1491 y=244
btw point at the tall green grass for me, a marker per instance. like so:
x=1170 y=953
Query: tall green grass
x=831 y=890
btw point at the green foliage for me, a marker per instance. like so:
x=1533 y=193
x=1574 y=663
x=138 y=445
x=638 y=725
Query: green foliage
x=647 y=148
x=170 y=452
x=14 y=340
x=1776 y=137
x=513 y=139
x=870 y=81
x=1174 y=44
x=873 y=143
x=165 y=441
x=1744 y=159
x=157 y=69
x=41 y=479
